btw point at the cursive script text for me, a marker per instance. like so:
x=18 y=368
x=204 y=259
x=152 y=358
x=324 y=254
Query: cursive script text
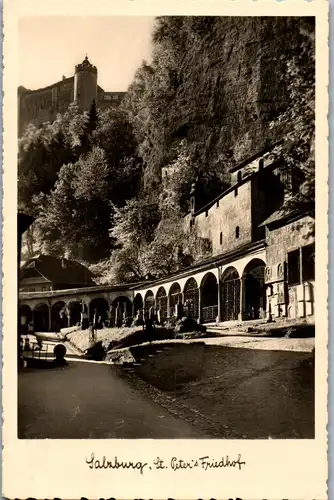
x=115 y=463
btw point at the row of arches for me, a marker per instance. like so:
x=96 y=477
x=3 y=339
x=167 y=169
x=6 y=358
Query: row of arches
x=234 y=297
x=66 y=314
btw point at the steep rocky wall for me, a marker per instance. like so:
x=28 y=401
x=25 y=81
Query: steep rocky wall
x=237 y=79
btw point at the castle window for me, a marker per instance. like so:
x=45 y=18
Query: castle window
x=206 y=213
x=261 y=164
x=221 y=238
x=236 y=192
x=217 y=204
x=239 y=176
x=237 y=232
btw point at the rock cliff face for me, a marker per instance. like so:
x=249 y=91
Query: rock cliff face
x=236 y=78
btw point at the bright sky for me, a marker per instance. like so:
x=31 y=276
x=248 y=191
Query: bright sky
x=50 y=47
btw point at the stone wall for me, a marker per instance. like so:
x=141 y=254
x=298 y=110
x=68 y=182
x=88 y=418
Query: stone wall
x=292 y=301
x=289 y=237
x=243 y=82
x=43 y=105
x=219 y=222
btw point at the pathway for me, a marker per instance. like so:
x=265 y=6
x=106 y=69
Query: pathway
x=89 y=400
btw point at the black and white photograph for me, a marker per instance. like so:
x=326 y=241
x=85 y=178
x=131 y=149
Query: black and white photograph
x=167 y=250
x=166 y=211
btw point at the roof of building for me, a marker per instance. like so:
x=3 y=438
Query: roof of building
x=209 y=263
x=29 y=92
x=73 y=291
x=24 y=221
x=293 y=208
x=60 y=271
x=255 y=156
x=244 y=180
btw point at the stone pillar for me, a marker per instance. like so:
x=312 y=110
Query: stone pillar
x=50 y=317
x=68 y=310
x=118 y=316
x=242 y=299
x=168 y=306
x=219 y=291
x=199 y=319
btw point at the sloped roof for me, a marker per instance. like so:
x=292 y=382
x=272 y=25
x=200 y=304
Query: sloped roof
x=62 y=271
x=292 y=208
x=24 y=221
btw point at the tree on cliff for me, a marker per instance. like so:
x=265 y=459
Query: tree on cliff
x=297 y=122
x=72 y=172
x=75 y=215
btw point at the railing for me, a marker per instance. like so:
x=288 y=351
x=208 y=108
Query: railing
x=34 y=350
x=209 y=314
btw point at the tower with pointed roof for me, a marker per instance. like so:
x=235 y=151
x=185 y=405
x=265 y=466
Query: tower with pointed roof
x=85 y=84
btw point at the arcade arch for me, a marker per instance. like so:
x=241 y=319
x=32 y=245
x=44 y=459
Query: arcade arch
x=41 y=318
x=100 y=306
x=209 y=298
x=230 y=294
x=254 y=293
x=74 y=309
x=25 y=317
x=121 y=308
x=58 y=316
x=149 y=301
x=161 y=301
x=137 y=303
x=191 y=297
x=175 y=298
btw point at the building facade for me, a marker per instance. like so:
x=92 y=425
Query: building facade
x=46 y=273
x=261 y=268
x=263 y=253
x=43 y=105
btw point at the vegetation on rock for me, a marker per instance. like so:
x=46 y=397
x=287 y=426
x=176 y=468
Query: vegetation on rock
x=111 y=187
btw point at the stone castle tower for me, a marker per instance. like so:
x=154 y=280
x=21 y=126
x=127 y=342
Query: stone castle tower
x=85 y=84
x=43 y=105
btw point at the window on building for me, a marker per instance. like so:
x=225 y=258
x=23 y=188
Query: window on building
x=236 y=192
x=239 y=176
x=294 y=267
x=206 y=213
x=217 y=204
x=221 y=238
x=301 y=265
x=308 y=262
x=237 y=232
x=261 y=164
